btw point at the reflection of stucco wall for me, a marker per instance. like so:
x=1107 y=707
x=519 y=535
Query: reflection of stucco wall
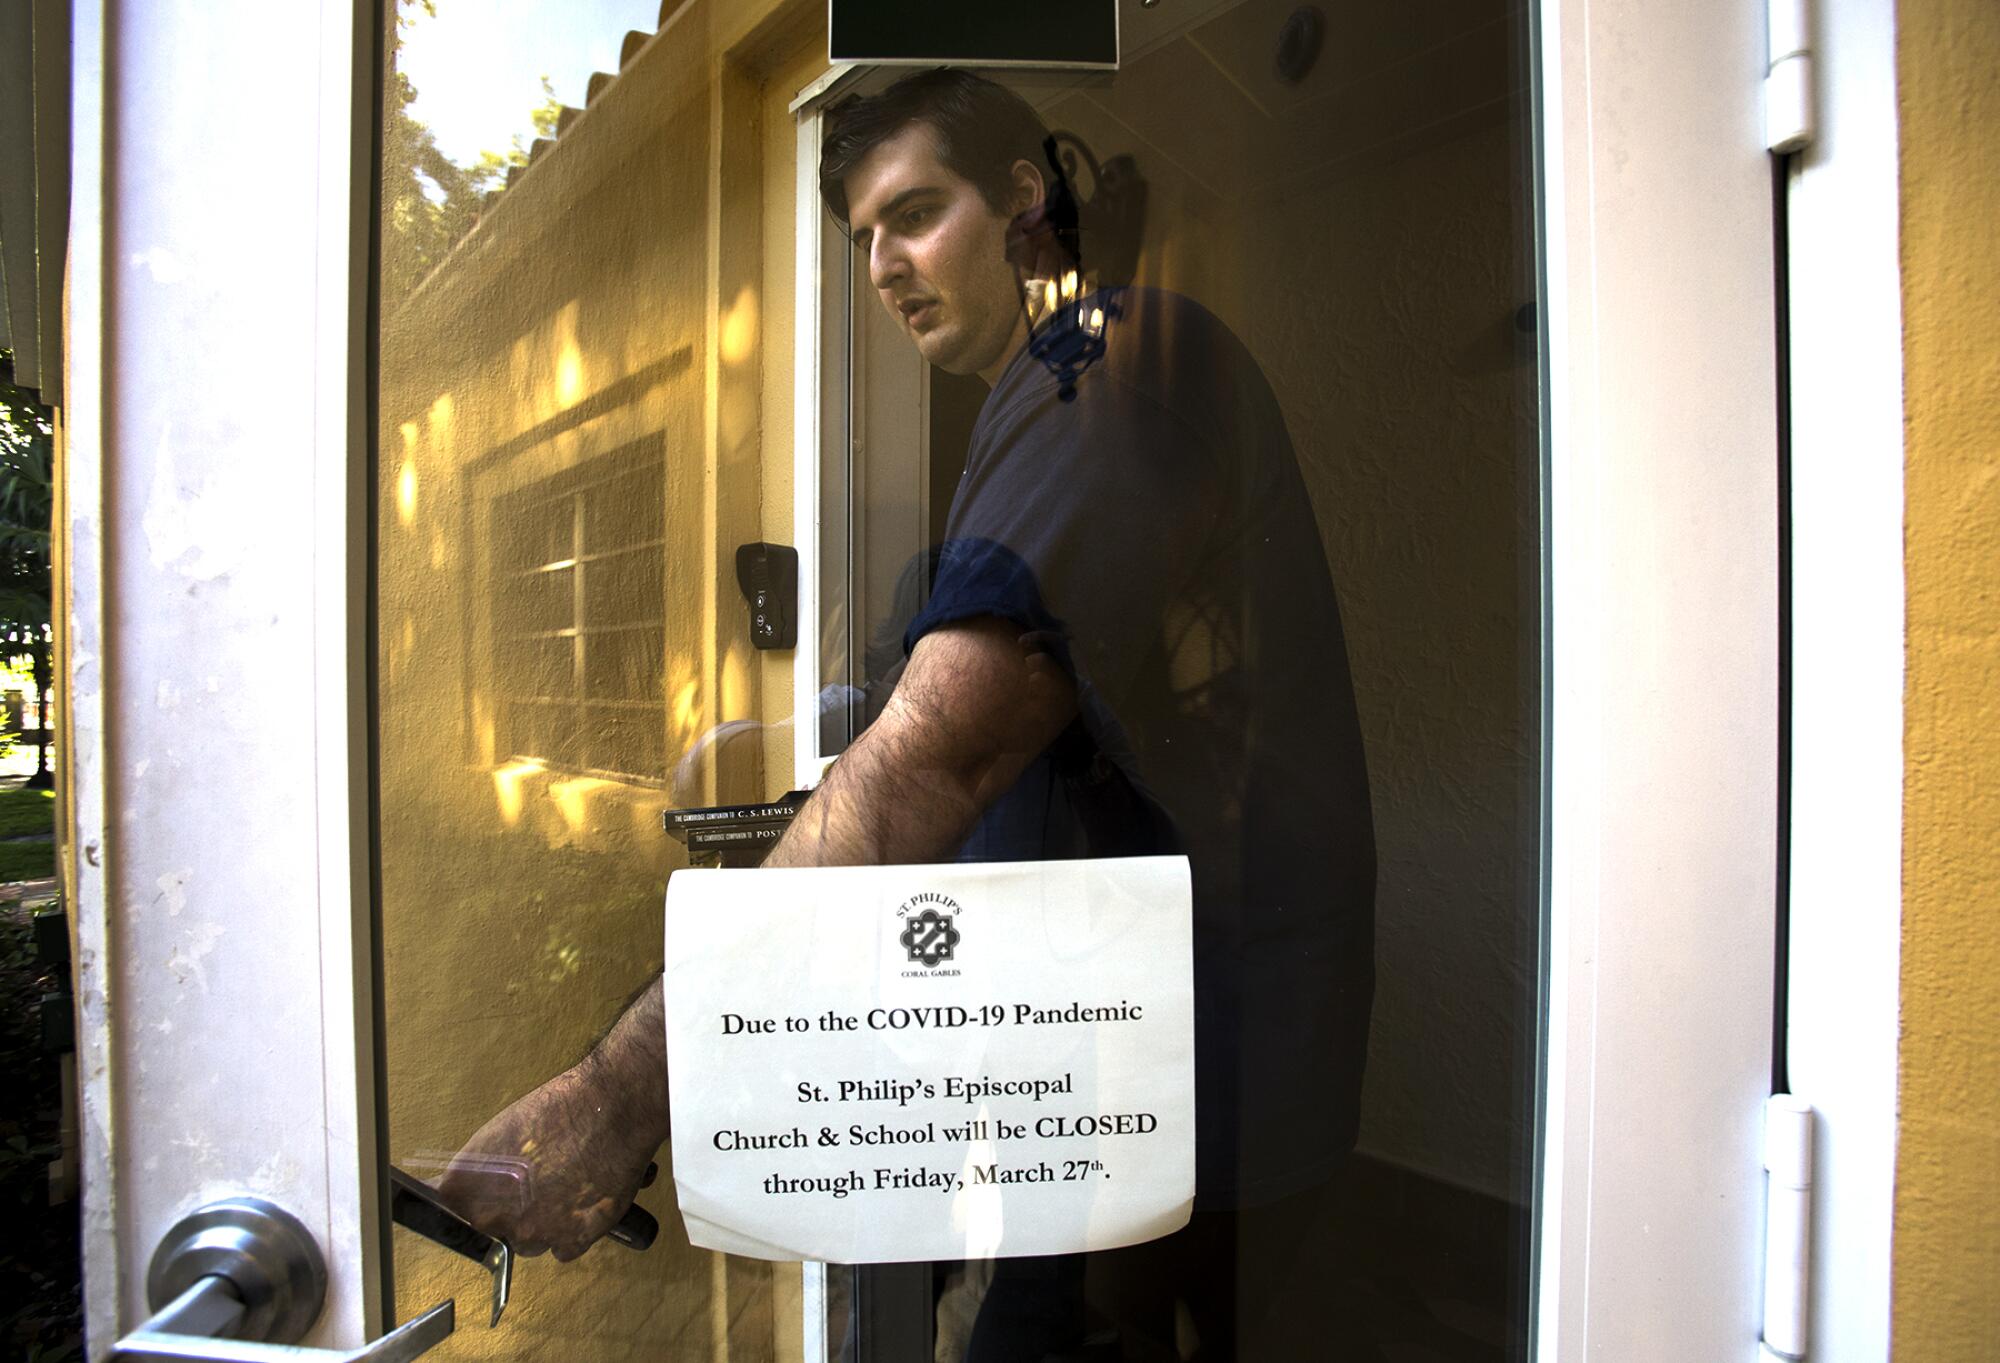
x=1386 y=322
x=616 y=303
x=484 y=365
x=1947 y=1229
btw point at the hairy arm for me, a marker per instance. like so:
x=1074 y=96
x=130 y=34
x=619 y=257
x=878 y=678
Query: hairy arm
x=977 y=703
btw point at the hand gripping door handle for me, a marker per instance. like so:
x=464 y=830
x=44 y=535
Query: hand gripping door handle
x=415 y=1206
x=238 y=1281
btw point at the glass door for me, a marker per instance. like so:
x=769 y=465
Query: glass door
x=584 y=403
x=1381 y=460
x=1281 y=496
x=1342 y=223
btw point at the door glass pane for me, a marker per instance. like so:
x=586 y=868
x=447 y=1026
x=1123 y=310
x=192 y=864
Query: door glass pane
x=1348 y=239
x=553 y=641
x=1281 y=535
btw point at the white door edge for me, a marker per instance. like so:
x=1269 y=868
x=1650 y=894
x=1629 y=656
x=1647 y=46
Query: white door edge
x=1662 y=676
x=81 y=670
x=1847 y=668
x=341 y=577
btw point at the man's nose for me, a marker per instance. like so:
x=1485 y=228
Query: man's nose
x=886 y=264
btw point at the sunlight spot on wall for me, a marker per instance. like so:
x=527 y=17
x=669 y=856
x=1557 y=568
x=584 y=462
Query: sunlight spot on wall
x=440 y=422
x=564 y=956
x=558 y=379
x=735 y=684
x=739 y=327
x=685 y=709
x=507 y=787
x=736 y=423
x=483 y=728
x=572 y=799
x=409 y=635
x=520 y=362
x=569 y=374
x=406 y=493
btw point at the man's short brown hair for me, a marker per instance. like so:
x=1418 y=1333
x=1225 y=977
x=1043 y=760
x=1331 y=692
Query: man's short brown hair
x=981 y=128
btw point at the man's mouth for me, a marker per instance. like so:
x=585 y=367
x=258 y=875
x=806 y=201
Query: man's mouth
x=917 y=312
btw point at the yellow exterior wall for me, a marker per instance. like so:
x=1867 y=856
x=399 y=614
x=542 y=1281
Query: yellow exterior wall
x=1947 y=1228
x=626 y=301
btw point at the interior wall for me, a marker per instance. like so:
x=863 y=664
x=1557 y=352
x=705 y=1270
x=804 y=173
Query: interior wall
x=1946 y=1306
x=1366 y=234
x=1388 y=318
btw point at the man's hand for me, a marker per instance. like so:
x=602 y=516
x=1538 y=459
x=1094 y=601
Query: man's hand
x=978 y=702
x=558 y=1167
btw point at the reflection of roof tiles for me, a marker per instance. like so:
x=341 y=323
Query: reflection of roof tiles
x=568 y=116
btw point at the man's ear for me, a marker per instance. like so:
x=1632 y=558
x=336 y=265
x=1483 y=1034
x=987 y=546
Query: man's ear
x=1027 y=187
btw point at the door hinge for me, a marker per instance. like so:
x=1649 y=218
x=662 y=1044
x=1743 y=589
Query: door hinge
x=1788 y=1166
x=1788 y=86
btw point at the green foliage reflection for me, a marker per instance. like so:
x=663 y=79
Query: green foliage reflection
x=27 y=510
x=430 y=201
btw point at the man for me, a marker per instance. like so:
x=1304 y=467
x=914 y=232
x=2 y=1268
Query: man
x=1131 y=646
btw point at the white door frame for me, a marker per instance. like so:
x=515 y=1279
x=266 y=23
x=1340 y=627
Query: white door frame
x=216 y=463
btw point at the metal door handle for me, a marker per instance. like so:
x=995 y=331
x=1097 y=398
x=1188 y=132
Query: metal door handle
x=415 y=1206
x=238 y=1282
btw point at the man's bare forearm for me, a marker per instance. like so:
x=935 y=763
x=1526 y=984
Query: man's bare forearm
x=877 y=807
x=967 y=718
x=976 y=705
x=871 y=808
x=628 y=1068
x=863 y=813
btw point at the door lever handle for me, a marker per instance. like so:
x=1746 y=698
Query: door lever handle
x=415 y=1206
x=239 y=1281
x=213 y=1294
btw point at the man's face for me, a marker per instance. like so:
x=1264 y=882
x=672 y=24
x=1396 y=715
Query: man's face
x=936 y=254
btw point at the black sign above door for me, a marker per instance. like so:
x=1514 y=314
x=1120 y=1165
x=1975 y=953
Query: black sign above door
x=974 y=32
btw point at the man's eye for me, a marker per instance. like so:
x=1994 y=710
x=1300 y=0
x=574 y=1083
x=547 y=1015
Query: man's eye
x=916 y=217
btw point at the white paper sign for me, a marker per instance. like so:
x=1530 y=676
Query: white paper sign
x=886 y=1063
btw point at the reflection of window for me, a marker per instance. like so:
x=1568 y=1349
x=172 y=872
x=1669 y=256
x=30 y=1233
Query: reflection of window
x=579 y=616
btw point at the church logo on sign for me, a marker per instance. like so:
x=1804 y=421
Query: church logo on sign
x=930 y=933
